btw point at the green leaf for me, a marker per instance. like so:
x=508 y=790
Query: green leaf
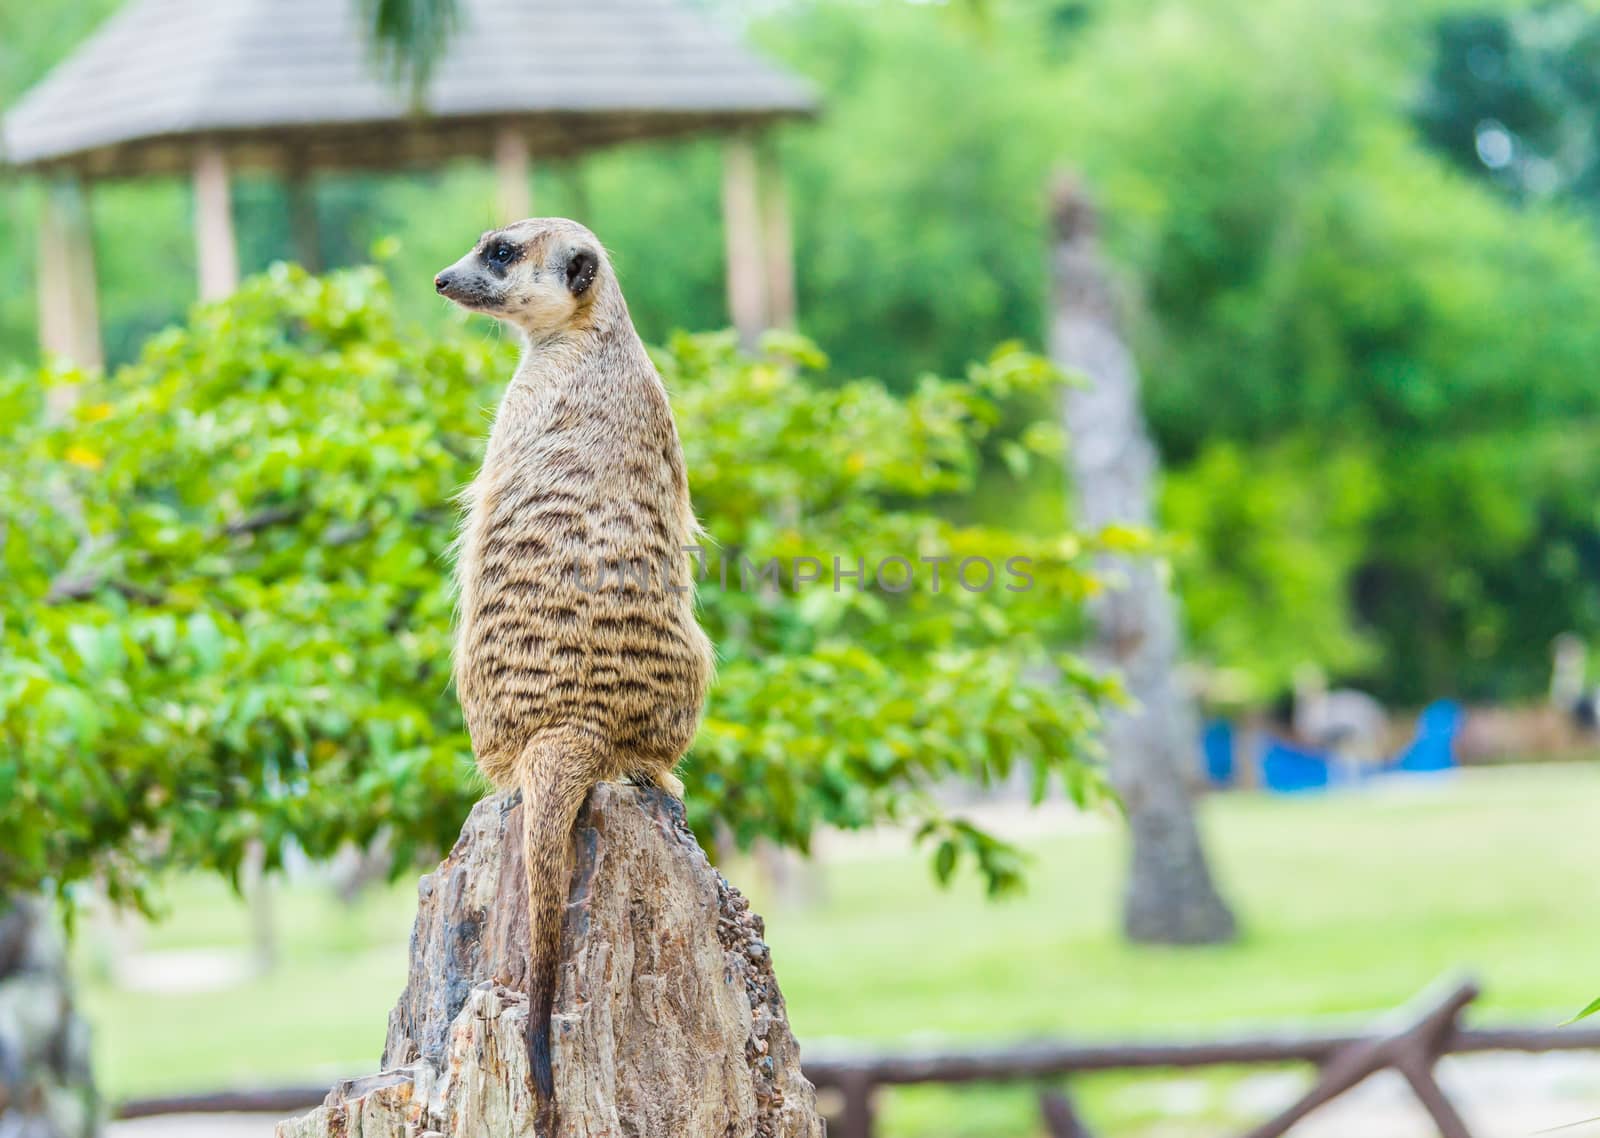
x=1592 y=1009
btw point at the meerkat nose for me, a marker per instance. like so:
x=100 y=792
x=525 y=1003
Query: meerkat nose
x=441 y=282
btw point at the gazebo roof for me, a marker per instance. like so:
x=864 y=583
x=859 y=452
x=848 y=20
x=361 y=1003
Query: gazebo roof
x=278 y=80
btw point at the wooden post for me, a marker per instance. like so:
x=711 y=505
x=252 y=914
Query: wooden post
x=741 y=225
x=302 y=200
x=217 y=254
x=1412 y=1048
x=511 y=171
x=857 y=1119
x=777 y=240
x=69 y=319
x=1060 y=1119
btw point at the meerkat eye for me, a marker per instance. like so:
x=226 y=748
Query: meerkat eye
x=501 y=253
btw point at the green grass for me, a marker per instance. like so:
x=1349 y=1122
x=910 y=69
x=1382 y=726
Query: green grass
x=1350 y=904
x=321 y=1012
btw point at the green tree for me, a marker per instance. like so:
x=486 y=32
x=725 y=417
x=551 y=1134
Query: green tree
x=411 y=35
x=1315 y=282
x=226 y=610
x=1512 y=96
x=1277 y=529
x=919 y=195
x=1284 y=190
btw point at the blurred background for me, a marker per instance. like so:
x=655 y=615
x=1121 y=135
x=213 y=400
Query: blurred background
x=1332 y=269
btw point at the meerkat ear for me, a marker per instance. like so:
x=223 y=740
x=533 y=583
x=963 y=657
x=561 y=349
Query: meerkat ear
x=581 y=267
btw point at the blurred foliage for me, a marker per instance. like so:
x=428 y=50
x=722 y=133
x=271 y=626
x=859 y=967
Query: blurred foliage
x=410 y=36
x=1513 y=95
x=1278 y=530
x=225 y=610
x=1320 y=292
x=1322 y=272
x=919 y=229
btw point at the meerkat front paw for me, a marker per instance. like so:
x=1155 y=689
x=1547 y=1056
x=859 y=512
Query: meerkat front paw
x=670 y=783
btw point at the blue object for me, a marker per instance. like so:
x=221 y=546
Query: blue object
x=1433 y=749
x=1288 y=770
x=1216 y=750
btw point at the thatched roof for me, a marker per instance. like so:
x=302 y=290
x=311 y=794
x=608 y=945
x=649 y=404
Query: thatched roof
x=274 y=80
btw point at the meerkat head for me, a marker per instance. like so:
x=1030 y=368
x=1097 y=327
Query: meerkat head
x=540 y=275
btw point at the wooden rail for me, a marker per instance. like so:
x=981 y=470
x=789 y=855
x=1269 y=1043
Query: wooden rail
x=267 y=1100
x=1410 y=1041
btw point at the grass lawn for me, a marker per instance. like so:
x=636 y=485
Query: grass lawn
x=1350 y=903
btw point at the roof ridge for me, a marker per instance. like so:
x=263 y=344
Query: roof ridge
x=161 y=76
x=62 y=69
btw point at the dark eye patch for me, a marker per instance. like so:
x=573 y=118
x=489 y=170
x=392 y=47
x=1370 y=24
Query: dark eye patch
x=500 y=253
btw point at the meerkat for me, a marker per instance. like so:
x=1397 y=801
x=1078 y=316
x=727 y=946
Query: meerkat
x=570 y=669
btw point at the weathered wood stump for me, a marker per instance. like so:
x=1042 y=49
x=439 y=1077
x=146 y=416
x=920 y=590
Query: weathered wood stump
x=668 y=1019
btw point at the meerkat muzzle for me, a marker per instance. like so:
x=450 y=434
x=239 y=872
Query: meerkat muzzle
x=464 y=290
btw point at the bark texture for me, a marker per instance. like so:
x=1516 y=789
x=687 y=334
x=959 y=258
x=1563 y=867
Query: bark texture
x=1170 y=897
x=45 y=1086
x=668 y=1019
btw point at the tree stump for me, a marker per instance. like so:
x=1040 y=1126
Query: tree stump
x=45 y=1086
x=668 y=1019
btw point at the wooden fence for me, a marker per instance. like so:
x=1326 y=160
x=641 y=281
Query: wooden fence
x=1410 y=1041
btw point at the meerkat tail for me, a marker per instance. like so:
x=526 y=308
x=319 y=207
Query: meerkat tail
x=555 y=781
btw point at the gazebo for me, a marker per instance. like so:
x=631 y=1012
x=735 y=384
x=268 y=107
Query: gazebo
x=206 y=87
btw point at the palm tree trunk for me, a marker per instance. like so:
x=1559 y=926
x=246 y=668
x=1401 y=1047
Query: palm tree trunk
x=1170 y=896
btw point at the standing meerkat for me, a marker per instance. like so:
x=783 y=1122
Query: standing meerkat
x=572 y=665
